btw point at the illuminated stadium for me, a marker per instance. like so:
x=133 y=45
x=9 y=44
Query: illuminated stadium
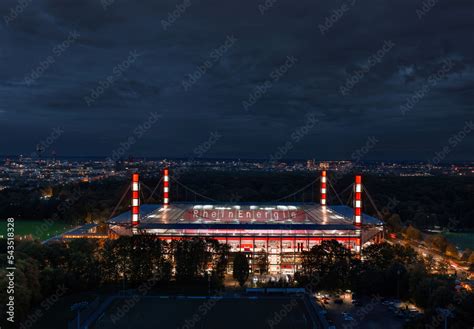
x=283 y=230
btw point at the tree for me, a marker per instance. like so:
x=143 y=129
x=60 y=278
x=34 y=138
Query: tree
x=464 y=312
x=262 y=262
x=191 y=259
x=379 y=256
x=413 y=233
x=122 y=252
x=442 y=268
x=430 y=263
x=417 y=273
x=395 y=223
x=397 y=273
x=421 y=219
x=366 y=279
x=471 y=258
x=442 y=296
x=241 y=268
x=145 y=256
x=110 y=262
x=166 y=270
x=219 y=259
x=405 y=255
x=451 y=251
x=135 y=259
x=330 y=262
x=466 y=254
x=438 y=242
x=422 y=292
x=82 y=263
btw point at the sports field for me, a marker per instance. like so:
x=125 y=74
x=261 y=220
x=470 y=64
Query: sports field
x=461 y=240
x=199 y=312
x=38 y=229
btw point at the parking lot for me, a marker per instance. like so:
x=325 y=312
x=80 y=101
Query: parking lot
x=366 y=313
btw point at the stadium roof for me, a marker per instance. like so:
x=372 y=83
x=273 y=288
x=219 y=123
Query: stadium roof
x=309 y=216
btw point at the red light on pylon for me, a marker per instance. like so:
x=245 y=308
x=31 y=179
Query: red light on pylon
x=166 y=187
x=323 y=188
x=358 y=200
x=135 y=199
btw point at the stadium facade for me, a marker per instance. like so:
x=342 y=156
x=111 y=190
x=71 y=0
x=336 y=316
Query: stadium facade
x=281 y=230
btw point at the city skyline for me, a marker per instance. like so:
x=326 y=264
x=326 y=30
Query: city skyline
x=130 y=157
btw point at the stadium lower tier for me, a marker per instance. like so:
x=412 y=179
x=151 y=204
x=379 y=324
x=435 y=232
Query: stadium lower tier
x=283 y=231
x=284 y=250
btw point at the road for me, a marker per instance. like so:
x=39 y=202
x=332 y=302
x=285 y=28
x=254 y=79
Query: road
x=453 y=267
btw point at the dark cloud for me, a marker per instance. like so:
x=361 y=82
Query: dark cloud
x=214 y=100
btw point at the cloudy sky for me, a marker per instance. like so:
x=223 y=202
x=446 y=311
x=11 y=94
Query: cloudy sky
x=292 y=79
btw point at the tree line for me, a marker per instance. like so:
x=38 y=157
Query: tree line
x=85 y=264
x=390 y=271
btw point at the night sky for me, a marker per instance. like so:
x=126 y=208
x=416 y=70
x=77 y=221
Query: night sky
x=238 y=79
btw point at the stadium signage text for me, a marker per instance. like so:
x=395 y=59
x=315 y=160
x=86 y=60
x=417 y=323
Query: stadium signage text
x=234 y=214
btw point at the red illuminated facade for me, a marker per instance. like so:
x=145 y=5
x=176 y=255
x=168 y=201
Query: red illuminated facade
x=282 y=231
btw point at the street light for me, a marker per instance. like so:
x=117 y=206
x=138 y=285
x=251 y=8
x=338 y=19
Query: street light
x=398 y=283
x=445 y=313
x=78 y=307
x=209 y=281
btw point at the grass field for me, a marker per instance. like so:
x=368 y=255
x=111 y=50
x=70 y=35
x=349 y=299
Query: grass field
x=186 y=313
x=462 y=240
x=39 y=229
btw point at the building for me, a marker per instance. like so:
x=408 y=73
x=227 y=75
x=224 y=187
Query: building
x=282 y=230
